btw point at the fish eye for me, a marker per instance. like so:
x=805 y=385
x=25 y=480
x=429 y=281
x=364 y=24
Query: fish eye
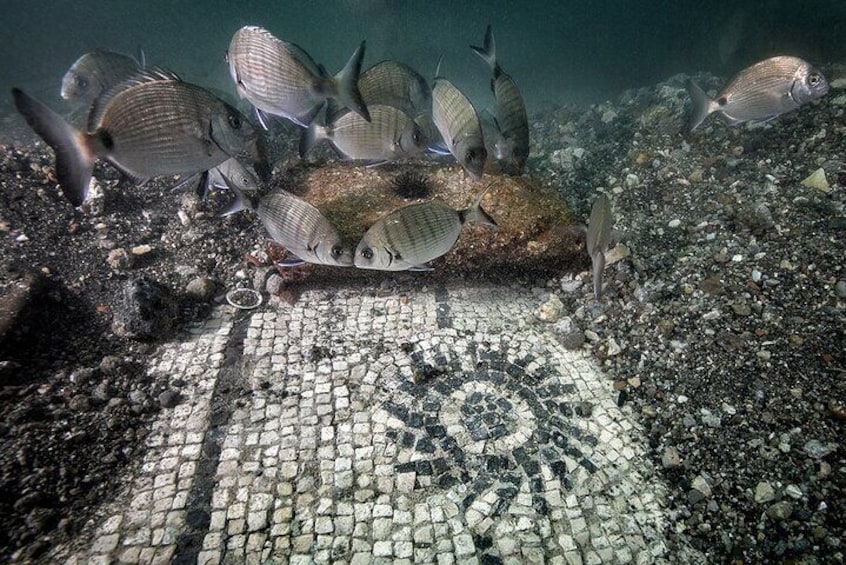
x=814 y=79
x=367 y=253
x=81 y=82
x=337 y=251
x=234 y=120
x=470 y=155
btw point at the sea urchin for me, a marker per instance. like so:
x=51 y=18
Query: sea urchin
x=411 y=184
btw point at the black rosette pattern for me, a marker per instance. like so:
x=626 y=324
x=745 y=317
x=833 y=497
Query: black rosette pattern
x=487 y=422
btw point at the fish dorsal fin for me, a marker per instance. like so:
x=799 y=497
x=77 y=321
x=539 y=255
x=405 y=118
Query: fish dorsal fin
x=438 y=68
x=143 y=76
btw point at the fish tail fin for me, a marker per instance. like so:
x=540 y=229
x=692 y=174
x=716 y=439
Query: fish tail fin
x=488 y=51
x=347 y=84
x=702 y=105
x=75 y=151
x=598 y=261
x=476 y=213
x=311 y=137
x=241 y=201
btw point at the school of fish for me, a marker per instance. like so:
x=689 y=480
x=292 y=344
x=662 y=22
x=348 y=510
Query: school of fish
x=147 y=122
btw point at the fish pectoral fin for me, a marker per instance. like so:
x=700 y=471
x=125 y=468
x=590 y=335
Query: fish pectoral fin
x=262 y=118
x=420 y=268
x=439 y=149
x=290 y=260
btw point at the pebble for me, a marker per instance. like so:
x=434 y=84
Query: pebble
x=816 y=449
x=674 y=223
x=139 y=250
x=632 y=180
x=550 y=311
x=793 y=491
x=682 y=399
x=818 y=181
x=201 y=288
x=764 y=493
x=700 y=484
x=169 y=398
x=613 y=347
x=670 y=458
x=119 y=260
x=840 y=289
x=780 y=510
x=710 y=419
x=569 y=284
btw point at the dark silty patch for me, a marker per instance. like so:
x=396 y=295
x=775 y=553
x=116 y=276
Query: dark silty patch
x=198 y=515
x=491 y=423
x=444 y=315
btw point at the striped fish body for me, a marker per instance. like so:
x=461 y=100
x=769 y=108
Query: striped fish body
x=302 y=230
x=512 y=149
x=409 y=237
x=511 y=146
x=459 y=126
x=280 y=78
x=598 y=237
x=161 y=126
x=94 y=73
x=392 y=83
x=761 y=92
x=390 y=134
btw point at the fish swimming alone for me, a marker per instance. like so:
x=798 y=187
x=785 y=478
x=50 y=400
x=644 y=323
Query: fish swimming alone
x=511 y=147
x=760 y=92
x=410 y=237
x=280 y=78
x=389 y=135
x=151 y=125
x=598 y=237
x=459 y=126
x=95 y=72
x=296 y=225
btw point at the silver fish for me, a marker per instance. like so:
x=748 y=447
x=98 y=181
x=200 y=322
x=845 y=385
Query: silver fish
x=95 y=72
x=393 y=84
x=231 y=172
x=598 y=237
x=761 y=92
x=511 y=147
x=457 y=121
x=389 y=135
x=412 y=236
x=151 y=125
x=296 y=225
x=280 y=78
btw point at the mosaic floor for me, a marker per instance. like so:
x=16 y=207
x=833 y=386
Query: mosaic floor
x=442 y=425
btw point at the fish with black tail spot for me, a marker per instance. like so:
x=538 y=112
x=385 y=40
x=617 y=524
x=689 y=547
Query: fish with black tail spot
x=279 y=78
x=410 y=237
x=459 y=126
x=760 y=92
x=511 y=145
x=150 y=125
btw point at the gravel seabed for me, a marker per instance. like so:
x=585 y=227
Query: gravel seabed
x=722 y=330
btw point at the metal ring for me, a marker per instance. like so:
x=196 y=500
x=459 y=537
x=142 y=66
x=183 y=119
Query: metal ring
x=233 y=295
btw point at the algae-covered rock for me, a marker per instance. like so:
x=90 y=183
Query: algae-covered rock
x=536 y=229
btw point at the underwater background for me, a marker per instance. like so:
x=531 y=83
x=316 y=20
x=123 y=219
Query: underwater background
x=557 y=51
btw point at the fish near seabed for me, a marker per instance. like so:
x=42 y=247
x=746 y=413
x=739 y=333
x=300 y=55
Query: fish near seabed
x=760 y=92
x=511 y=147
x=410 y=237
x=296 y=225
x=389 y=135
x=151 y=125
x=279 y=78
x=95 y=72
x=459 y=126
x=598 y=237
